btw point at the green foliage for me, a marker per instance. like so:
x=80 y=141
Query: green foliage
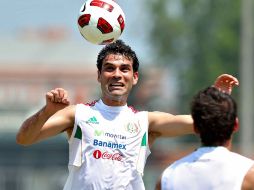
x=200 y=39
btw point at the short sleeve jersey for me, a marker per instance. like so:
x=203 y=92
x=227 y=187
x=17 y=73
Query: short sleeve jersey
x=108 y=148
x=209 y=168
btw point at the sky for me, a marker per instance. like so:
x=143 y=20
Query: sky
x=17 y=15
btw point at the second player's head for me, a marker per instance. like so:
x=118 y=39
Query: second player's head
x=215 y=116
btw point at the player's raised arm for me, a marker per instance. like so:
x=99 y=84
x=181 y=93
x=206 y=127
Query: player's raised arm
x=55 y=117
x=168 y=125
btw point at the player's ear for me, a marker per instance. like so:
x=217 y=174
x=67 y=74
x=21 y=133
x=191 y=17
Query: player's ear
x=98 y=76
x=135 y=78
x=236 y=126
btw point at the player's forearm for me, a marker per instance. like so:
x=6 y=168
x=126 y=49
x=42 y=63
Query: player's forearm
x=30 y=129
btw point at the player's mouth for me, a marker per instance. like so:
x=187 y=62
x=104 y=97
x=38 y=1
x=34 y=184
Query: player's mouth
x=116 y=85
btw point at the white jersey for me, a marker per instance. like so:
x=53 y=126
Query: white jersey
x=108 y=148
x=209 y=168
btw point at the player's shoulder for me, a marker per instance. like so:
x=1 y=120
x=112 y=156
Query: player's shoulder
x=91 y=104
x=133 y=109
x=88 y=104
x=248 y=182
x=137 y=113
x=85 y=105
x=70 y=110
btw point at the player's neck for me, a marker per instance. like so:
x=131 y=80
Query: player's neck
x=117 y=102
x=228 y=144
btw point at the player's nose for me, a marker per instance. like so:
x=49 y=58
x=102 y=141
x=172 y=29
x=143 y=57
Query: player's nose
x=117 y=73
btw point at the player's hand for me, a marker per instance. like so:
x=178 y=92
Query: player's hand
x=225 y=83
x=58 y=95
x=56 y=99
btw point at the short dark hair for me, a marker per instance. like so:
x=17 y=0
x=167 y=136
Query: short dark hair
x=118 y=47
x=214 y=114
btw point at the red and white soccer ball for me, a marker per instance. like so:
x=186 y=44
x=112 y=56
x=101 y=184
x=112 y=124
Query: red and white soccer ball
x=101 y=21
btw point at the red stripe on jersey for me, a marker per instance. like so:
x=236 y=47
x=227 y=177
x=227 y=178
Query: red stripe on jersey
x=91 y=103
x=133 y=109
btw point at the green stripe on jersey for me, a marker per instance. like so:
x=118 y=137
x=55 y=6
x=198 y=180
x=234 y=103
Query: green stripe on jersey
x=143 y=143
x=78 y=133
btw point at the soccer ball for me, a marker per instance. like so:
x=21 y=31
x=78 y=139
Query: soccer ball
x=101 y=21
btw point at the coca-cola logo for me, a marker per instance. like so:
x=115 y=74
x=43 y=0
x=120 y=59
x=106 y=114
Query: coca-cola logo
x=97 y=154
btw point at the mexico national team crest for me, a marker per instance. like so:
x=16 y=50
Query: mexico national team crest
x=133 y=128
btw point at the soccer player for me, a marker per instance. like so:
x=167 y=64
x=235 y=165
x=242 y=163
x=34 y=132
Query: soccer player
x=108 y=141
x=212 y=166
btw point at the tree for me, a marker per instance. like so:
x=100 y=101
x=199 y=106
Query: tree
x=199 y=39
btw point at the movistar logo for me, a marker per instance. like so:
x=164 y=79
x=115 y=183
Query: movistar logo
x=106 y=134
x=93 y=120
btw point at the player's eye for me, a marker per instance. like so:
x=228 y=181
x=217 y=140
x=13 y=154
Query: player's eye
x=125 y=69
x=108 y=68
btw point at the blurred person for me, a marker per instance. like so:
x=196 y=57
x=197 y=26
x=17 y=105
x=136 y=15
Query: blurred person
x=108 y=141
x=213 y=166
